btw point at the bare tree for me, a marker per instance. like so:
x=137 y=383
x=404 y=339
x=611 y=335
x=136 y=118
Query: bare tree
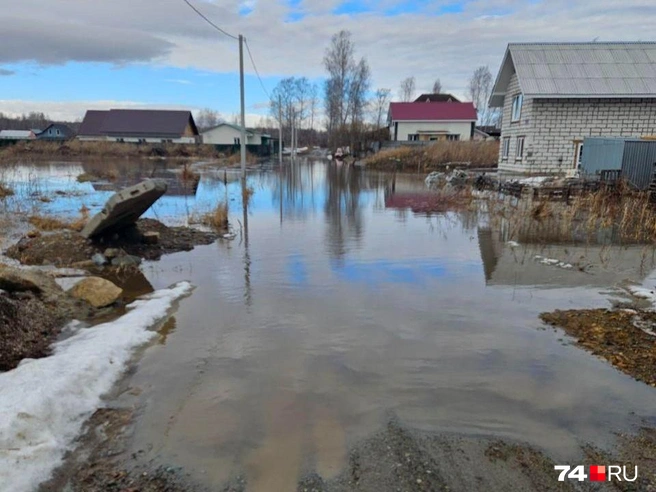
x=380 y=105
x=314 y=104
x=407 y=90
x=345 y=89
x=207 y=118
x=437 y=86
x=480 y=89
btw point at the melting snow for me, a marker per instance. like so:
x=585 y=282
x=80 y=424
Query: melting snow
x=554 y=262
x=642 y=293
x=45 y=402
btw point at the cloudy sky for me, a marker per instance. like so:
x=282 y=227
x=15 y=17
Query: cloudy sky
x=64 y=56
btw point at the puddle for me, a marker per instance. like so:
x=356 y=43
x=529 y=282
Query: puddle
x=336 y=307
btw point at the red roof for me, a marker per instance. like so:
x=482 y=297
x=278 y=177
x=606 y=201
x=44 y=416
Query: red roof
x=433 y=111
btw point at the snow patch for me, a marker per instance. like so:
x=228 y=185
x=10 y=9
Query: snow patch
x=513 y=244
x=67 y=283
x=45 y=402
x=534 y=181
x=553 y=262
x=642 y=293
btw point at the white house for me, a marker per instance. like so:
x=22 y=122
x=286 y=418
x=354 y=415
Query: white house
x=227 y=134
x=554 y=95
x=431 y=121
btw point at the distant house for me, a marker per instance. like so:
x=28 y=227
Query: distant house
x=421 y=121
x=226 y=136
x=17 y=135
x=437 y=98
x=139 y=126
x=56 y=131
x=554 y=95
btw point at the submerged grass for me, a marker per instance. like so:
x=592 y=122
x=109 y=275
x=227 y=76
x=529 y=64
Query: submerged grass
x=217 y=218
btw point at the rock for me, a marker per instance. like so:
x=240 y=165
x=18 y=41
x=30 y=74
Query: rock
x=127 y=260
x=33 y=234
x=150 y=237
x=125 y=207
x=96 y=291
x=99 y=260
x=111 y=253
x=20 y=280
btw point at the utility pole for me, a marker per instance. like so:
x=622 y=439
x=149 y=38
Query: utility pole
x=243 y=106
x=280 y=130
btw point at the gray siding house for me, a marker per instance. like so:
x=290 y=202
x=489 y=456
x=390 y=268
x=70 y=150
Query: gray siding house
x=554 y=95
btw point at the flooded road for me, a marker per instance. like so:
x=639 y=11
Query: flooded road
x=336 y=308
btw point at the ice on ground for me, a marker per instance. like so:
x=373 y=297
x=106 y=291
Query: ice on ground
x=67 y=283
x=642 y=293
x=44 y=402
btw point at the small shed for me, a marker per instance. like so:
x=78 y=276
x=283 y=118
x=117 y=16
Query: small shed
x=632 y=159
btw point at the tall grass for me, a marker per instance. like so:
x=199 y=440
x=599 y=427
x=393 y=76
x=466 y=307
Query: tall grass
x=49 y=223
x=618 y=215
x=217 y=218
x=436 y=156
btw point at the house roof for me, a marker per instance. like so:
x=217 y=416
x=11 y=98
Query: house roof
x=439 y=111
x=578 y=70
x=234 y=127
x=16 y=134
x=137 y=122
x=437 y=98
x=92 y=123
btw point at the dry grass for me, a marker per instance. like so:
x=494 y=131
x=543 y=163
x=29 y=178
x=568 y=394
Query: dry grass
x=189 y=174
x=247 y=193
x=5 y=191
x=76 y=148
x=235 y=159
x=436 y=156
x=108 y=175
x=619 y=214
x=49 y=223
x=217 y=218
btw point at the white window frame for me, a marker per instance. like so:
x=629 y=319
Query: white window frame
x=453 y=137
x=505 y=148
x=519 y=148
x=516 y=112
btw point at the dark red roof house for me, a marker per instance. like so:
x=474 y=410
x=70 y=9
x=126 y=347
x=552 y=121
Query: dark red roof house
x=421 y=121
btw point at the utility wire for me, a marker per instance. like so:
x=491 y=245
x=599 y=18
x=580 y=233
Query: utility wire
x=209 y=21
x=250 y=55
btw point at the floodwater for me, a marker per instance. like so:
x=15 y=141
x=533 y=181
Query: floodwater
x=336 y=308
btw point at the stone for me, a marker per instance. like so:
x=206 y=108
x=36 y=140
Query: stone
x=150 y=237
x=126 y=260
x=125 y=207
x=111 y=253
x=99 y=260
x=22 y=280
x=96 y=291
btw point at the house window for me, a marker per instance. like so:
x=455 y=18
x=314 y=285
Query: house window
x=517 y=108
x=519 y=155
x=578 y=155
x=413 y=137
x=505 y=149
x=453 y=138
x=57 y=132
x=237 y=141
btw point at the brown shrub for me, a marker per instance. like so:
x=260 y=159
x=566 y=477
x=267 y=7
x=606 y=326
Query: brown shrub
x=217 y=219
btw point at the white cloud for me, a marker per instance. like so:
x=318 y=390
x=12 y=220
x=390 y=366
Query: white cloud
x=167 y=32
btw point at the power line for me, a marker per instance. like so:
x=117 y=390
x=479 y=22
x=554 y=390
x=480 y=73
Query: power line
x=250 y=55
x=209 y=21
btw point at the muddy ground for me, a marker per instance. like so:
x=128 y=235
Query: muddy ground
x=395 y=459
x=65 y=248
x=624 y=337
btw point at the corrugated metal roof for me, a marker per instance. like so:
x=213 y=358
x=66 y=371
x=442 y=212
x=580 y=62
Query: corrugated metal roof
x=579 y=70
x=16 y=134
